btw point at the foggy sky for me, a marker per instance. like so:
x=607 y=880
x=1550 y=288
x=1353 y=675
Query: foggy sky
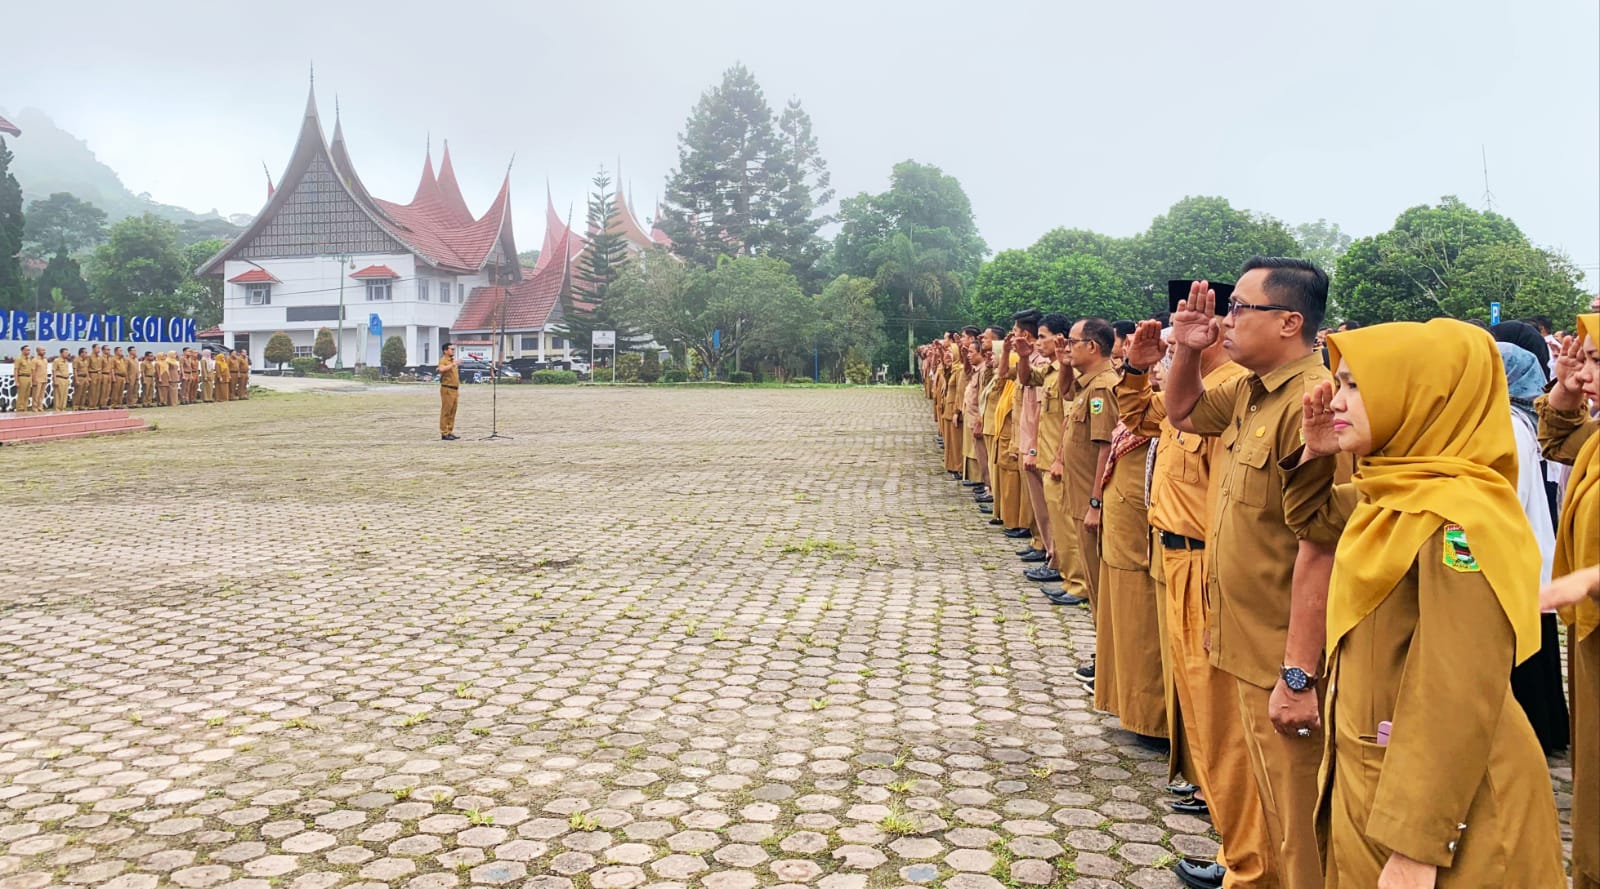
x=1059 y=113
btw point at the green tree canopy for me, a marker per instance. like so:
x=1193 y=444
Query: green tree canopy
x=1205 y=237
x=1449 y=260
x=1079 y=285
x=65 y=275
x=587 y=306
x=393 y=356
x=1322 y=242
x=324 y=347
x=13 y=291
x=848 y=323
x=745 y=186
x=139 y=265
x=61 y=223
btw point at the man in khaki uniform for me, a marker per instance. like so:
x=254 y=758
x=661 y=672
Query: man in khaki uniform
x=1214 y=755
x=130 y=372
x=41 y=379
x=80 y=379
x=22 y=378
x=1270 y=541
x=1091 y=417
x=147 y=380
x=208 y=377
x=449 y=391
x=119 y=378
x=108 y=373
x=1052 y=388
x=241 y=375
x=60 y=381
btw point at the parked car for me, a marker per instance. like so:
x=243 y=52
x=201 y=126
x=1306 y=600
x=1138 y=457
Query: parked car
x=424 y=372
x=481 y=372
x=579 y=365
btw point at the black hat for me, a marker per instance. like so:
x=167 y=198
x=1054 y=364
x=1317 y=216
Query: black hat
x=1177 y=290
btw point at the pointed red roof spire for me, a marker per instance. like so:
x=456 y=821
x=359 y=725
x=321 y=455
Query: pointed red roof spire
x=450 y=191
x=428 y=187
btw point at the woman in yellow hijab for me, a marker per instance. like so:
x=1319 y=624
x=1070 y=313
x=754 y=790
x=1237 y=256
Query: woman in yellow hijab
x=1433 y=775
x=1567 y=434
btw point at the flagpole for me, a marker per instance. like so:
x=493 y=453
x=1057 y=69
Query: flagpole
x=494 y=366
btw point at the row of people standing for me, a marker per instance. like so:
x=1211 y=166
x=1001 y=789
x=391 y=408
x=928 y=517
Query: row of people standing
x=100 y=377
x=1256 y=573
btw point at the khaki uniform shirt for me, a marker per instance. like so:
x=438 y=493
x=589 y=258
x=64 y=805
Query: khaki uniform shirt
x=1091 y=418
x=1052 y=411
x=955 y=388
x=449 y=378
x=22 y=369
x=1029 y=400
x=1259 y=513
x=1180 y=484
x=61 y=369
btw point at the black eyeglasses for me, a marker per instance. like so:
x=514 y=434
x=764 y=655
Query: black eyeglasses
x=1236 y=304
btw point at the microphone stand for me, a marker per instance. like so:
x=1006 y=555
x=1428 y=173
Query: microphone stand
x=494 y=370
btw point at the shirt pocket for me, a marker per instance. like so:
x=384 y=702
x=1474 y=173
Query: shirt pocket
x=1253 y=473
x=1190 y=460
x=1078 y=415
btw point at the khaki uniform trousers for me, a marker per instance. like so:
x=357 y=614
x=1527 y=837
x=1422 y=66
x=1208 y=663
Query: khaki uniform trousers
x=1208 y=707
x=447 y=409
x=39 y=383
x=1068 y=559
x=24 y=387
x=1087 y=565
x=1584 y=658
x=1287 y=784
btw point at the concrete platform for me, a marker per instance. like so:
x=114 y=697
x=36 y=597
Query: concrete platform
x=58 y=426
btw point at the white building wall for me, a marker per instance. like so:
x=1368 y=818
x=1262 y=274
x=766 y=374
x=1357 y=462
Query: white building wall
x=314 y=281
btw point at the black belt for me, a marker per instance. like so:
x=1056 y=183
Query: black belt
x=1178 y=541
x=443 y=386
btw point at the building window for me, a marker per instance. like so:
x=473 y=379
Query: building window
x=380 y=291
x=444 y=291
x=461 y=293
x=302 y=352
x=530 y=343
x=258 y=295
x=422 y=289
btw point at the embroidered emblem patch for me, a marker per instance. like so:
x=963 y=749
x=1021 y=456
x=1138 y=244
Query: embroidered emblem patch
x=1457 y=554
x=1260 y=431
x=1097 y=405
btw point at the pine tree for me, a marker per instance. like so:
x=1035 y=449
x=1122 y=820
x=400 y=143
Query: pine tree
x=802 y=187
x=719 y=199
x=11 y=232
x=63 y=274
x=589 y=306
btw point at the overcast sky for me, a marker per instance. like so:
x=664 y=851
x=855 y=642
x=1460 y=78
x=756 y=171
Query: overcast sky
x=1094 y=115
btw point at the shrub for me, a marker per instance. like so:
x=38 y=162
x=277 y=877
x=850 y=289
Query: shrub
x=741 y=376
x=858 y=373
x=675 y=375
x=279 y=350
x=324 y=347
x=393 y=356
x=370 y=373
x=650 y=368
x=303 y=365
x=628 y=366
x=554 y=377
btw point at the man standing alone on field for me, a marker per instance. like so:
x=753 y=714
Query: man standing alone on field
x=449 y=391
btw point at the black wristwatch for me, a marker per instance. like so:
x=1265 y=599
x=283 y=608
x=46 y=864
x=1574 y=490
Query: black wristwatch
x=1094 y=503
x=1295 y=679
x=1128 y=368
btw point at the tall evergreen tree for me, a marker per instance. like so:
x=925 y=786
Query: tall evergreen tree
x=65 y=275
x=588 y=306
x=745 y=185
x=12 y=289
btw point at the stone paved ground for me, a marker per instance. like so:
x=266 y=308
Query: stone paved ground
x=661 y=638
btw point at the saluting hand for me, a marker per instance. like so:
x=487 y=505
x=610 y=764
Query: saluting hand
x=1316 y=422
x=1568 y=391
x=1194 y=325
x=1023 y=348
x=1145 y=349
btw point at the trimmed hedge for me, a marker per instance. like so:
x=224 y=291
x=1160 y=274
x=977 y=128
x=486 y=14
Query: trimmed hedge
x=675 y=375
x=555 y=377
x=741 y=376
x=303 y=366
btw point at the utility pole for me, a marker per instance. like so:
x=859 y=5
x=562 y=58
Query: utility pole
x=338 y=355
x=911 y=300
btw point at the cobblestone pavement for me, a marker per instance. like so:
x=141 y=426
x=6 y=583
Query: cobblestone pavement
x=660 y=638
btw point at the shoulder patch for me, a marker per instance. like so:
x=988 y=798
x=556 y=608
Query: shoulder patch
x=1457 y=554
x=1097 y=405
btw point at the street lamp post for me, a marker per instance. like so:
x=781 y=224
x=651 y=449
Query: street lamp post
x=911 y=307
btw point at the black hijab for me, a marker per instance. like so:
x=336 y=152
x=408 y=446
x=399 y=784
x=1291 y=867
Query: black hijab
x=1528 y=337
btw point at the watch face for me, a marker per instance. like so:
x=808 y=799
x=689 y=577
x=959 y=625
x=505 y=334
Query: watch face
x=1296 y=678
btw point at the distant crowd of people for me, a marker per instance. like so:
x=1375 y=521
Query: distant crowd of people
x=1323 y=567
x=100 y=377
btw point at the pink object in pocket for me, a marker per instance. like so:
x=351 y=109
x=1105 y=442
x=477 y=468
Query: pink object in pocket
x=1383 y=732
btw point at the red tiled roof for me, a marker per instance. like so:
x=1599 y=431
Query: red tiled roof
x=210 y=333
x=254 y=276
x=376 y=271
x=554 y=231
x=9 y=128
x=450 y=192
x=628 y=226
x=527 y=304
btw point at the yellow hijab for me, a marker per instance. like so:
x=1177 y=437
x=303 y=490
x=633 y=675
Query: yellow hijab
x=1578 y=532
x=1444 y=453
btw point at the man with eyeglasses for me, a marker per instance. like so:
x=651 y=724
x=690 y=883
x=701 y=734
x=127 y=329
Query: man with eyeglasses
x=1090 y=420
x=1269 y=541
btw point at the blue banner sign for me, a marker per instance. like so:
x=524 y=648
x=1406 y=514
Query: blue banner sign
x=62 y=326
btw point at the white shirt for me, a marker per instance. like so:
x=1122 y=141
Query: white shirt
x=1530 y=490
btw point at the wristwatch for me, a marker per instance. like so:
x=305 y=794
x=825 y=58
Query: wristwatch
x=1094 y=503
x=1128 y=368
x=1295 y=679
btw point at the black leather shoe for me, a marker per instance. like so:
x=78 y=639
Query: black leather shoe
x=995 y=522
x=1067 y=599
x=1151 y=742
x=1043 y=575
x=449 y=438
x=1182 y=788
x=1085 y=672
x=1018 y=533
x=1197 y=874
x=985 y=508
x=1034 y=555
x=969 y=483
x=1027 y=549
x=1191 y=806
x=984 y=498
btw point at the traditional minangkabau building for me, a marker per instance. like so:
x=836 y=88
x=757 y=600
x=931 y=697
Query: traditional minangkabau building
x=324 y=252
